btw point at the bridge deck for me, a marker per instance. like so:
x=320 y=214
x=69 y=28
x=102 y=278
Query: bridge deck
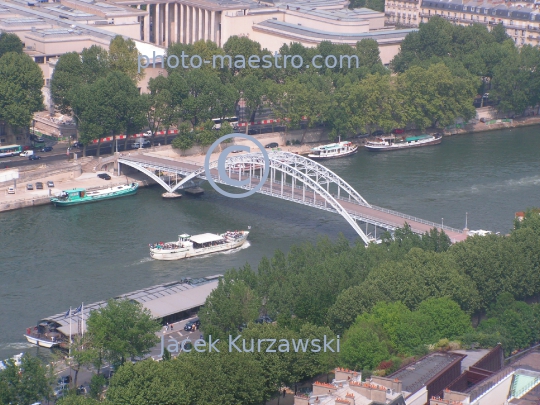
x=373 y=214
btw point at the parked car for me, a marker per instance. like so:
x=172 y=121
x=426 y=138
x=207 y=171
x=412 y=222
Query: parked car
x=189 y=325
x=64 y=380
x=39 y=140
x=47 y=149
x=39 y=185
x=143 y=144
x=272 y=145
x=34 y=157
x=27 y=147
x=398 y=131
x=104 y=176
x=148 y=134
x=486 y=95
x=11 y=190
x=50 y=184
x=29 y=186
x=77 y=144
x=378 y=133
x=26 y=153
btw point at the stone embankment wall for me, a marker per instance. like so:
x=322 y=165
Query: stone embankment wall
x=28 y=174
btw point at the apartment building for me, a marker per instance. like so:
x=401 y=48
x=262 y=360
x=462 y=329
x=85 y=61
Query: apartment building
x=521 y=19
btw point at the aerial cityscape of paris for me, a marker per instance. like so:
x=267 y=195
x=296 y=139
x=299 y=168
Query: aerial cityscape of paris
x=248 y=202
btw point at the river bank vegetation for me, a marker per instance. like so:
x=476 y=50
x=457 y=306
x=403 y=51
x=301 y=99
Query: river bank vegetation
x=431 y=83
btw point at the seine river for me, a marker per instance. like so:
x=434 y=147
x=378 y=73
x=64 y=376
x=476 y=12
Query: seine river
x=54 y=258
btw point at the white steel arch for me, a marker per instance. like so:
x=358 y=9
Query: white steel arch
x=311 y=174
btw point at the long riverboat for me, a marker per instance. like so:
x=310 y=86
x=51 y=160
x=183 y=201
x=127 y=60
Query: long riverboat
x=393 y=143
x=333 y=150
x=80 y=195
x=190 y=246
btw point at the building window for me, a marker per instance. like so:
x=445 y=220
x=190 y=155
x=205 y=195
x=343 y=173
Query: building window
x=19 y=138
x=485 y=19
x=472 y=17
x=515 y=32
x=39 y=59
x=2 y=140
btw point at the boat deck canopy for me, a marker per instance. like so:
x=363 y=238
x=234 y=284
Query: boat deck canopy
x=205 y=238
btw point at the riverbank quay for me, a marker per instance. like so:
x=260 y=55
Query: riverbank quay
x=24 y=198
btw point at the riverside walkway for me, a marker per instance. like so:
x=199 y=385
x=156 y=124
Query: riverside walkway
x=293 y=178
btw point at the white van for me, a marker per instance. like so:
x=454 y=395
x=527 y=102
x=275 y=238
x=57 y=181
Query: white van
x=27 y=153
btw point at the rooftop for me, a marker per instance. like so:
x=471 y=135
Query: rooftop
x=161 y=300
x=418 y=374
x=300 y=31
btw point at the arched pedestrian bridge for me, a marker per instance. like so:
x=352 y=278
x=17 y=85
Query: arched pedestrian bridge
x=293 y=178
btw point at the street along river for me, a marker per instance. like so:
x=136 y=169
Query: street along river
x=53 y=258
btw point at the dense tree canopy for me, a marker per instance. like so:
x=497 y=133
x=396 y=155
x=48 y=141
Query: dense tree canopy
x=21 y=81
x=10 y=43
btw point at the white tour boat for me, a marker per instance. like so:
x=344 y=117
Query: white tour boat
x=333 y=150
x=190 y=246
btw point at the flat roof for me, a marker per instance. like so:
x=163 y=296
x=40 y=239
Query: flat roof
x=418 y=374
x=161 y=300
x=205 y=238
x=300 y=30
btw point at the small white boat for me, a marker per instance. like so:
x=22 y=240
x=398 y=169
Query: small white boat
x=333 y=150
x=16 y=359
x=479 y=232
x=197 y=245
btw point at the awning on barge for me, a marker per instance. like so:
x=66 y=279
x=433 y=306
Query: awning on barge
x=205 y=238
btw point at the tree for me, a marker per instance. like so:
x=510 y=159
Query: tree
x=21 y=81
x=123 y=329
x=123 y=57
x=434 y=96
x=374 y=102
x=448 y=319
x=229 y=306
x=10 y=43
x=26 y=384
x=499 y=33
x=185 y=138
x=362 y=348
x=83 y=354
x=67 y=77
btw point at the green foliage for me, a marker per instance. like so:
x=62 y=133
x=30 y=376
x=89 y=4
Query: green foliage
x=377 y=5
x=193 y=378
x=97 y=383
x=230 y=305
x=10 y=43
x=123 y=57
x=77 y=400
x=26 y=384
x=185 y=138
x=362 y=348
x=21 y=81
x=122 y=329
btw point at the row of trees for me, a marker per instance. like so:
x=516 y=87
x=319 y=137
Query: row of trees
x=346 y=99
x=511 y=71
x=21 y=81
